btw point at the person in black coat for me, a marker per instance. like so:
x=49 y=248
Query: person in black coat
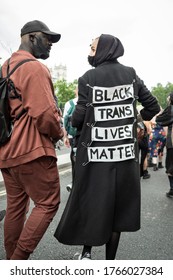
x=166 y=119
x=105 y=198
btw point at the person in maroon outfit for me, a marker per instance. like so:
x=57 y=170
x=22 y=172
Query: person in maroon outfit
x=28 y=159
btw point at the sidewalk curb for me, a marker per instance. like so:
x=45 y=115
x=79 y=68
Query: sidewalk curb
x=64 y=166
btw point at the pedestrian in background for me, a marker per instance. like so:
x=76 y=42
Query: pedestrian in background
x=166 y=119
x=105 y=198
x=143 y=148
x=157 y=141
x=28 y=159
x=70 y=132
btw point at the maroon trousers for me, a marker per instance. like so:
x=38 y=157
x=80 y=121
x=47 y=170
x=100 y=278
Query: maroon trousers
x=39 y=181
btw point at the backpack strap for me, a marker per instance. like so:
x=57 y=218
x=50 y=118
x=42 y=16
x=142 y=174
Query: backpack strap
x=71 y=102
x=8 y=65
x=15 y=67
x=71 y=106
x=12 y=85
x=12 y=71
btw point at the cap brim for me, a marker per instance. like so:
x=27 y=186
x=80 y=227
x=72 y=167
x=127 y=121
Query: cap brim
x=55 y=37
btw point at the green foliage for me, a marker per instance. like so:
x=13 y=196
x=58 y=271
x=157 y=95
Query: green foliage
x=162 y=93
x=64 y=91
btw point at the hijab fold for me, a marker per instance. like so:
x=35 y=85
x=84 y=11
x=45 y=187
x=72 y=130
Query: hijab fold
x=109 y=48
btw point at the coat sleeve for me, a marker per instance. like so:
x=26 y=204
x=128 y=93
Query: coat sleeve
x=166 y=117
x=149 y=102
x=80 y=109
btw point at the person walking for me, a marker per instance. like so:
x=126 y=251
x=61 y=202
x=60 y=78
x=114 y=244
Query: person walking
x=70 y=132
x=28 y=159
x=157 y=141
x=105 y=198
x=166 y=119
x=142 y=134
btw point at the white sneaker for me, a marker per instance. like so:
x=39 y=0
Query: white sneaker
x=86 y=256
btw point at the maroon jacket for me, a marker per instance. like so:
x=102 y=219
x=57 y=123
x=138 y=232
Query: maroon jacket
x=33 y=133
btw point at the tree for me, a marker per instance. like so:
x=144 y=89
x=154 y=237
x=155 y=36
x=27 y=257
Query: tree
x=64 y=91
x=162 y=93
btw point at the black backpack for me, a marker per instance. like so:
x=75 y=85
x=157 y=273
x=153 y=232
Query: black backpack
x=8 y=90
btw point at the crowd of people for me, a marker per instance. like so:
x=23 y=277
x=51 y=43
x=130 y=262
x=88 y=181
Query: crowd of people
x=105 y=149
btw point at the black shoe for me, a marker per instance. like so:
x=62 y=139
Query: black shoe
x=2 y=214
x=69 y=187
x=160 y=165
x=170 y=193
x=146 y=175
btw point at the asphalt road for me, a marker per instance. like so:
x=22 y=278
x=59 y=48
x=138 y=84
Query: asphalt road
x=153 y=242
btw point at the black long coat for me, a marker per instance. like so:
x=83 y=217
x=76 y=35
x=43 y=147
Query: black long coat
x=105 y=197
x=166 y=119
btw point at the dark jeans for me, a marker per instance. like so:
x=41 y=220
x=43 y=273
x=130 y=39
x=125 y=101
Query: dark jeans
x=143 y=147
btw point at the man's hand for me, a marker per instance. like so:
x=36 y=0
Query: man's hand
x=66 y=141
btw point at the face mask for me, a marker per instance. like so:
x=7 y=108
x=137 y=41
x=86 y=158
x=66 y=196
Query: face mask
x=40 y=50
x=91 y=60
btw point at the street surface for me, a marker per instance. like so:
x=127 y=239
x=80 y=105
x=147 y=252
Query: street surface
x=153 y=242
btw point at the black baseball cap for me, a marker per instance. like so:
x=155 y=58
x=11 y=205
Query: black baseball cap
x=39 y=26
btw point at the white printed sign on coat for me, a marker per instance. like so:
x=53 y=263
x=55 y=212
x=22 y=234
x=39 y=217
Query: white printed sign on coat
x=112 y=133
x=111 y=154
x=112 y=94
x=113 y=112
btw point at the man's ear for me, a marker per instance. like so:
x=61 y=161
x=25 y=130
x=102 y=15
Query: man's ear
x=31 y=37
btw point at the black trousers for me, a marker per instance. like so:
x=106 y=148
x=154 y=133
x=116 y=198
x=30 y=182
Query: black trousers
x=72 y=156
x=143 y=148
